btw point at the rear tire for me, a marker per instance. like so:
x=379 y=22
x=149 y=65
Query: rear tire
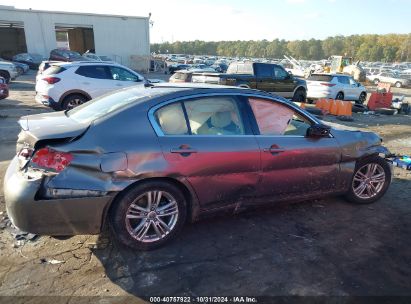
x=300 y=95
x=376 y=81
x=141 y=225
x=398 y=84
x=371 y=179
x=73 y=101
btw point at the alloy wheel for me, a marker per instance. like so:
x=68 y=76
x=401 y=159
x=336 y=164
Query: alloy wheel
x=74 y=103
x=368 y=181
x=152 y=216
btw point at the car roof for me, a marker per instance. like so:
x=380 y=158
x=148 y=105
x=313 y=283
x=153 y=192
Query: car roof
x=85 y=63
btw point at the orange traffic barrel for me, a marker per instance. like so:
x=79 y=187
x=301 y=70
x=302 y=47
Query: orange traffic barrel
x=319 y=103
x=340 y=108
x=334 y=107
x=327 y=104
x=348 y=109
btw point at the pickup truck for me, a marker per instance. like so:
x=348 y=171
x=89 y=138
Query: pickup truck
x=267 y=77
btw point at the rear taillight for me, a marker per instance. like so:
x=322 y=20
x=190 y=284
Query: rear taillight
x=51 y=80
x=52 y=159
x=327 y=84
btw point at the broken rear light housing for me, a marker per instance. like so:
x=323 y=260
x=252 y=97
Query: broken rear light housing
x=51 y=159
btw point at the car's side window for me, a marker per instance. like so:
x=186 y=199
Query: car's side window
x=352 y=81
x=214 y=116
x=264 y=70
x=280 y=73
x=122 y=74
x=171 y=119
x=93 y=71
x=343 y=80
x=276 y=119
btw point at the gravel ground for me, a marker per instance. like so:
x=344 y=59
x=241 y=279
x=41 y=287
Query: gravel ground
x=325 y=247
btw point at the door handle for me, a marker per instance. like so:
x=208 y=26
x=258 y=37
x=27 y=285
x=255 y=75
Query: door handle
x=183 y=149
x=274 y=149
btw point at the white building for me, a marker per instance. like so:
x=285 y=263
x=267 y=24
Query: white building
x=123 y=38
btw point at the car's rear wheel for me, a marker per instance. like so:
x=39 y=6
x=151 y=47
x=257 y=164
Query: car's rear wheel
x=370 y=181
x=148 y=215
x=398 y=84
x=300 y=95
x=340 y=96
x=73 y=101
x=376 y=81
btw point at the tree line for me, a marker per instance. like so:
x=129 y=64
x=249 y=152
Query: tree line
x=387 y=48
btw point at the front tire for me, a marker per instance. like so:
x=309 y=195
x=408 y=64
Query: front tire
x=5 y=75
x=362 y=98
x=376 y=81
x=371 y=179
x=340 y=96
x=148 y=215
x=398 y=84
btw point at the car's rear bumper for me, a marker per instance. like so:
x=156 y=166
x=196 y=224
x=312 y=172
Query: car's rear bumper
x=69 y=216
x=47 y=101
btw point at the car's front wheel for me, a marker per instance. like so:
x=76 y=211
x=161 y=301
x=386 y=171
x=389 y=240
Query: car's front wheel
x=362 y=98
x=398 y=84
x=370 y=181
x=148 y=215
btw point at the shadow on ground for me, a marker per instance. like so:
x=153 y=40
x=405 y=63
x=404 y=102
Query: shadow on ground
x=326 y=247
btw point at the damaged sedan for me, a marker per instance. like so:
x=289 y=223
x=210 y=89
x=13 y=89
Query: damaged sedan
x=147 y=160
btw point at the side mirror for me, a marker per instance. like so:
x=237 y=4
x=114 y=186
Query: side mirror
x=318 y=131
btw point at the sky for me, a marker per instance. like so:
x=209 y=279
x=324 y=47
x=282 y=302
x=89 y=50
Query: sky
x=216 y=20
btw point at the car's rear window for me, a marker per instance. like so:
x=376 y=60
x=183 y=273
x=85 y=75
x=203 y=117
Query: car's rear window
x=54 y=69
x=106 y=104
x=326 y=78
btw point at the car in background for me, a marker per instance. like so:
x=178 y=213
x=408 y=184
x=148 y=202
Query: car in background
x=65 y=55
x=391 y=78
x=95 y=57
x=4 y=88
x=187 y=75
x=335 y=86
x=220 y=67
x=32 y=60
x=8 y=70
x=268 y=77
x=147 y=160
x=21 y=67
x=176 y=67
x=67 y=85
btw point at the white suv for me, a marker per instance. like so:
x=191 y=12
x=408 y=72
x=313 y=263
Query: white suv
x=335 y=86
x=66 y=85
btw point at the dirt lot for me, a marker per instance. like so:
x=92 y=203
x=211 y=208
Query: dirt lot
x=324 y=247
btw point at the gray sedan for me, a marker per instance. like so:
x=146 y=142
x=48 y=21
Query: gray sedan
x=147 y=160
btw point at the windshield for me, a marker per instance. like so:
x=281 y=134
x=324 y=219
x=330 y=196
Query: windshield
x=106 y=104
